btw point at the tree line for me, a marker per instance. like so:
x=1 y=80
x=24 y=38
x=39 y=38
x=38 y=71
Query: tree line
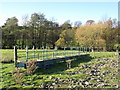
x=39 y=31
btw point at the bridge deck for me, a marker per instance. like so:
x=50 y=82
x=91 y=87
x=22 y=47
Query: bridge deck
x=45 y=63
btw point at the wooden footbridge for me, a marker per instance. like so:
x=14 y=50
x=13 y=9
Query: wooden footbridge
x=45 y=57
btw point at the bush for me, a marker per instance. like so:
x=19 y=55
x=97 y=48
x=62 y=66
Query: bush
x=31 y=66
x=18 y=74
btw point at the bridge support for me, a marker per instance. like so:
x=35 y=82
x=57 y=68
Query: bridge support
x=15 y=56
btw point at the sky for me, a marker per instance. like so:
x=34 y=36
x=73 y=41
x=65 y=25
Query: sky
x=59 y=11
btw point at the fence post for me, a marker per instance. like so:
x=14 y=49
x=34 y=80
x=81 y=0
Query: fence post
x=46 y=52
x=15 y=55
x=85 y=50
x=89 y=50
x=64 y=51
x=26 y=53
x=56 y=52
x=42 y=52
x=34 y=52
x=79 y=50
x=38 y=55
x=82 y=49
x=53 y=53
x=71 y=50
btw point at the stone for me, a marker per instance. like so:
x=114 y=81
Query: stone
x=33 y=84
x=25 y=84
x=58 y=85
x=51 y=87
x=81 y=80
x=58 y=78
x=87 y=83
x=77 y=87
x=77 y=72
x=84 y=66
x=83 y=83
x=43 y=85
x=92 y=71
x=74 y=86
x=98 y=80
x=70 y=86
x=51 y=77
x=77 y=83
x=88 y=78
x=72 y=73
x=53 y=83
x=73 y=81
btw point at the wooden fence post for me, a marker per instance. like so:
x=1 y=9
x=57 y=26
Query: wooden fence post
x=46 y=52
x=15 y=55
x=42 y=52
x=56 y=52
x=88 y=49
x=65 y=51
x=71 y=50
x=34 y=52
x=26 y=53
x=79 y=50
x=82 y=49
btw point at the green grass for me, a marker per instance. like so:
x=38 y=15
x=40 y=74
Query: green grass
x=102 y=54
x=57 y=70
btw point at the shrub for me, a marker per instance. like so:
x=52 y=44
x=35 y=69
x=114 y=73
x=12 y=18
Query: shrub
x=31 y=66
x=18 y=74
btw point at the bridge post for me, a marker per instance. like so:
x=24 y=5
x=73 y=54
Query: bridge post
x=79 y=50
x=15 y=55
x=71 y=50
x=65 y=51
x=42 y=52
x=53 y=53
x=38 y=55
x=34 y=52
x=86 y=50
x=26 y=53
x=47 y=52
x=89 y=49
x=82 y=49
x=56 y=52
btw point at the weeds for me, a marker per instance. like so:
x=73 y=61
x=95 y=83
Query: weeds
x=18 y=74
x=31 y=67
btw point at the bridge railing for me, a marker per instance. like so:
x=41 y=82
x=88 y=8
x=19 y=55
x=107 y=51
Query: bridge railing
x=25 y=55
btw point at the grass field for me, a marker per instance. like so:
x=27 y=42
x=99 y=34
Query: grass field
x=59 y=76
